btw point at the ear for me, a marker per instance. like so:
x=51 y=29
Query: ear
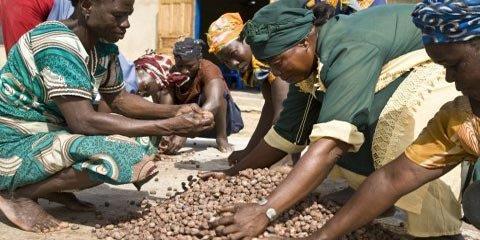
x=304 y=43
x=85 y=6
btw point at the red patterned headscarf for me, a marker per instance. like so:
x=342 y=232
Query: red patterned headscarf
x=157 y=66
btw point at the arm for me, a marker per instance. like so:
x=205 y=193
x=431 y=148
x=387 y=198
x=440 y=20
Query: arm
x=81 y=118
x=380 y=190
x=134 y=106
x=214 y=90
x=310 y=171
x=164 y=97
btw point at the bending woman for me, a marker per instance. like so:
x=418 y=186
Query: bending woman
x=451 y=137
x=52 y=140
x=357 y=109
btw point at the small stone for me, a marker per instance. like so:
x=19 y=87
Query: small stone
x=156 y=179
x=153 y=192
x=107 y=204
x=74 y=227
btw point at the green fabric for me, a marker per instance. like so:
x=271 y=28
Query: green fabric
x=277 y=27
x=34 y=139
x=353 y=50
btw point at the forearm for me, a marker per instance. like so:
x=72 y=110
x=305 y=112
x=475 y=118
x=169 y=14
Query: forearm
x=262 y=156
x=310 y=171
x=137 y=107
x=110 y=124
x=263 y=126
x=379 y=192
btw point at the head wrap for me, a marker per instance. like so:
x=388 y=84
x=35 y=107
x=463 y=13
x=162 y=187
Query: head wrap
x=277 y=27
x=447 y=21
x=156 y=65
x=189 y=48
x=223 y=31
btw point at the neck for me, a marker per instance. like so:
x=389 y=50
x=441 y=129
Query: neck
x=81 y=30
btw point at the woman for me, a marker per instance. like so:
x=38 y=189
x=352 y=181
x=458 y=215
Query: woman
x=38 y=11
x=348 y=7
x=224 y=41
x=452 y=136
x=153 y=71
x=356 y=110
x=52 y=140
x=200 y=81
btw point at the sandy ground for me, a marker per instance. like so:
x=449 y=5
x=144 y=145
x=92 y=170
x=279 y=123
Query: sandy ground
x=114 y=201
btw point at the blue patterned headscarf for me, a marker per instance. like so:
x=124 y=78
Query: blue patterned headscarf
x=447 y=21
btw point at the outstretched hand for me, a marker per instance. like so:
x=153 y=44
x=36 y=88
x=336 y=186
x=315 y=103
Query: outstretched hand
x=247 y=221
x=192 y=124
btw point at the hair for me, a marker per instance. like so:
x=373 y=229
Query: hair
x=189 y=48
x=322 y=12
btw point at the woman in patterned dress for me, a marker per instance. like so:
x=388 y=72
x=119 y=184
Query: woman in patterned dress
x=51 y=138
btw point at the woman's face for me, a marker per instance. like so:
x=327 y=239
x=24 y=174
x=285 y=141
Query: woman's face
x=462 y=64
x=236 y=55
x=295 y=64
x=108 y=19
x=147 y=86
x=188 y=67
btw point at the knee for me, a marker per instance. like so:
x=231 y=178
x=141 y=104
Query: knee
x=471 y=205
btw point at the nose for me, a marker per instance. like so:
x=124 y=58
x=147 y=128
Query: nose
x=233 y=64
x=125 y=23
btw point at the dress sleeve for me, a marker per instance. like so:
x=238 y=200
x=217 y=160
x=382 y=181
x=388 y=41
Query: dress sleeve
x=290 y=133
x=350 y=88
x=63 y=73
x=114 y=79
x=440 y=143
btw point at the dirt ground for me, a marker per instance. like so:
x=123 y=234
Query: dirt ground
x=114 y=201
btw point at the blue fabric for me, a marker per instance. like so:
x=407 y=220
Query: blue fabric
x=234 y=117
x=447 y=21
x=129 y=75
x=63 y=9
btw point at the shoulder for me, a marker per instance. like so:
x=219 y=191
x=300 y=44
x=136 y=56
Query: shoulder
x=106 y=49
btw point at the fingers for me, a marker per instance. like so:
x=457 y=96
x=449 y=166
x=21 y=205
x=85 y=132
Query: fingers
x=223 y=221
x=236 y=236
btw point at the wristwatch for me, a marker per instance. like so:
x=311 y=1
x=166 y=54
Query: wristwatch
x=271 y=213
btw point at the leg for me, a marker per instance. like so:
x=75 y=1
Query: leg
x=51 y=189
x=28 y=215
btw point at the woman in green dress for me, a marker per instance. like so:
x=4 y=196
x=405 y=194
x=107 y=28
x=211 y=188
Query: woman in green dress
x=368 y=81
x=51 y=138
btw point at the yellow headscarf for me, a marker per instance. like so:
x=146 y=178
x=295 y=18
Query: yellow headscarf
x=334 y=3
x=223 y=31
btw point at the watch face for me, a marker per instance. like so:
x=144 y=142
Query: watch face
x=271 y=214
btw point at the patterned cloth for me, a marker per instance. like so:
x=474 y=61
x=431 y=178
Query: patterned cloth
x=348 y=6
x=188 y=48
x=50 y=61
x=157 y=66
x=223 y=31
x=446 y=21
x=258 y=73
x=277 y=27
x=451 y=137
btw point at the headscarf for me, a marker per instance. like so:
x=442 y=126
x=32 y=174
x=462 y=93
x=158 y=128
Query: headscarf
x=277 y=27
x=189 y=48
x=157 y=66
x=223 y=31
x=447 y=21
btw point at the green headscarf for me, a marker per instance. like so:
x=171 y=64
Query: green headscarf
x=277 y=27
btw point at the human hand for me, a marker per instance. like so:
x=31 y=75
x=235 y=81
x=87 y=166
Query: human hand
x=219 y=175
x=236 y=157
x=191 y=124
x=188 y=108
x=171 y=144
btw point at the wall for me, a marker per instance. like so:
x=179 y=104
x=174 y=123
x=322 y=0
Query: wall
x=142 y=32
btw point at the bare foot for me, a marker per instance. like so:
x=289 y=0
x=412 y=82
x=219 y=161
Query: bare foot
x=70 y=201
x=224 y=146
x=29 y=216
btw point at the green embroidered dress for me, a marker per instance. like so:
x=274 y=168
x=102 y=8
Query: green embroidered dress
x=35 y=143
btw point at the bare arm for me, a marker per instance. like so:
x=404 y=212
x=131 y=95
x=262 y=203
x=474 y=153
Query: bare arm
x=263 y=155
x=164 y=97
x=83 y=119
x=310 y=171
x=214 y=90
x=133 y=106
x=379 y=192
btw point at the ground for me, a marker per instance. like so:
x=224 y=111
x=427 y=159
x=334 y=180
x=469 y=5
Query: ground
x=113 y=201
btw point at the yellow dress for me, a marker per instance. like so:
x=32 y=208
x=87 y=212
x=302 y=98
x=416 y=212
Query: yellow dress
x=257 y=73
